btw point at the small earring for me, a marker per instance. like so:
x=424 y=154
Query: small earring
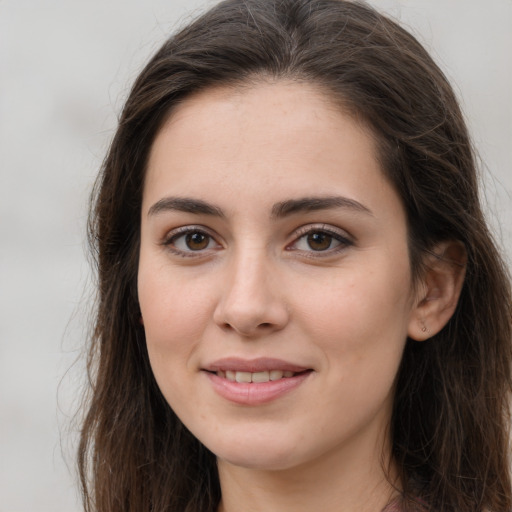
x=425 y=329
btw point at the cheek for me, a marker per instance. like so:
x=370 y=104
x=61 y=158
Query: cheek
x=359 y=316
x=173 y=326
x=360 y=301
x=175 y=313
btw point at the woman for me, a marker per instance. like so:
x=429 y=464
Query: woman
x=300 y=305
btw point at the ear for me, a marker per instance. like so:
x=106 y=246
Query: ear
x=439 y=290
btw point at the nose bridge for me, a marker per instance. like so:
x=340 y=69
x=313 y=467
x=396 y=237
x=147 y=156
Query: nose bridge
x=250 y=301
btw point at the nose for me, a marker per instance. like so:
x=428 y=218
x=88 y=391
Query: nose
x=251 y=302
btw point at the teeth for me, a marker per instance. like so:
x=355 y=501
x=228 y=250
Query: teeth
x=243 y=376
x=246 y=377
x=260 y=377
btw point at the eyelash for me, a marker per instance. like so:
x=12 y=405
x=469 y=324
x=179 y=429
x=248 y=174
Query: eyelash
x=171 y=239
x=305 y=231
x=343 y=241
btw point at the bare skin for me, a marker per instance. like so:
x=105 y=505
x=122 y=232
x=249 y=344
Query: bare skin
x=270 y=236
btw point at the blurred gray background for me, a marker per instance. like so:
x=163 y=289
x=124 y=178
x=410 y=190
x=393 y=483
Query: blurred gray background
x=65 y=69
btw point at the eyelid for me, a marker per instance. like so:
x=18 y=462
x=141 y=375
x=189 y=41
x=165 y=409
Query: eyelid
x=181 y=231
x=342 y=236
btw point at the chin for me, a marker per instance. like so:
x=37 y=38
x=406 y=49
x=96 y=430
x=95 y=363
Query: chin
x=253 y=454
x=258 y=461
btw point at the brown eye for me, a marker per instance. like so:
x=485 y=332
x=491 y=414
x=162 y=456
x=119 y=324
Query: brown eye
x=324 y=241
x=190 y=241
x=318 y=241
x=197 y=241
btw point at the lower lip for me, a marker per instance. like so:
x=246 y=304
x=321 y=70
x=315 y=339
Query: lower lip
x=255 y=393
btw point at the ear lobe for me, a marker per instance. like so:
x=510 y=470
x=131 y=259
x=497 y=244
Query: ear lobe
x=439 y=290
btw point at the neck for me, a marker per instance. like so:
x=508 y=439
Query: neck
x=363 y=481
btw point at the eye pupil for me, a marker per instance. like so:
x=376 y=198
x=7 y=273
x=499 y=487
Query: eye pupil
x=197 y=241
x=319 y=241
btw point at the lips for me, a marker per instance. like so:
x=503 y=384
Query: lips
x=261 y=364
x=264 y=376
x=254 y=382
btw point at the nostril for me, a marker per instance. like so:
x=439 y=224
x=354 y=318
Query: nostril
x=263 y=325
x=250 y=317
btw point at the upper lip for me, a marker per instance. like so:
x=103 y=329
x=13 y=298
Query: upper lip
x=260 y=364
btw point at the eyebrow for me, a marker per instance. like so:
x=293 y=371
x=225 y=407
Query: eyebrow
x=185 y=204
x=279 y=210
x=311 y=204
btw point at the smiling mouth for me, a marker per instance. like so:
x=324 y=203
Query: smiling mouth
x=257 y=377
x=255 y=382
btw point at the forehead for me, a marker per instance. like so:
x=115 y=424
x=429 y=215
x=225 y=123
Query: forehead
x=263 y=139
x=277 y=94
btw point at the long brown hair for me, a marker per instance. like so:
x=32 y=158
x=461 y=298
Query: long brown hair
x=451 y=412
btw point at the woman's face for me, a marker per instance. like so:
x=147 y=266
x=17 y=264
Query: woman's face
x=274 y=278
